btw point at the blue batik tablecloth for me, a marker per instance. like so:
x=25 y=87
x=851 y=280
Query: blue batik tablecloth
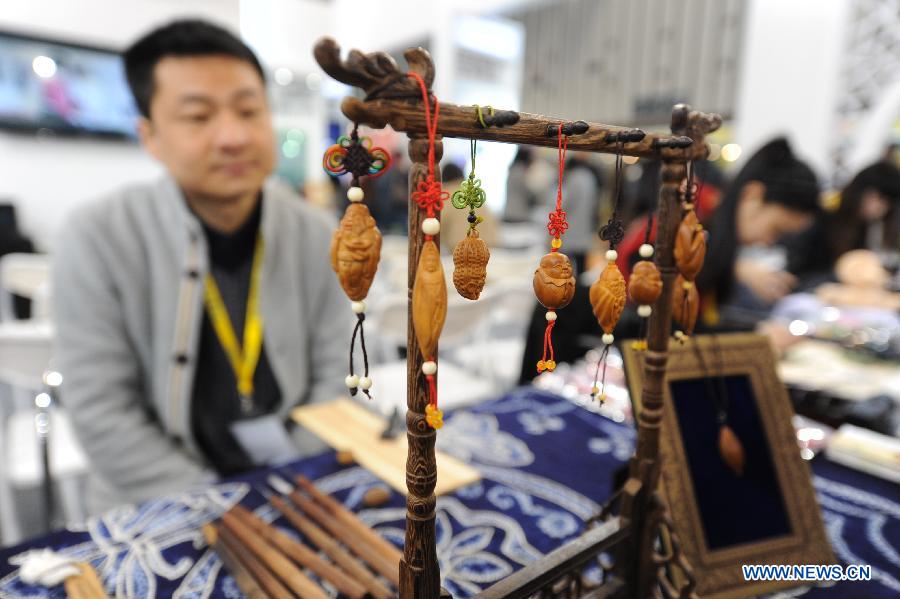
x=546 y=464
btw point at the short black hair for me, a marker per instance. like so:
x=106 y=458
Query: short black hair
x=186 y=37
x=451 y=172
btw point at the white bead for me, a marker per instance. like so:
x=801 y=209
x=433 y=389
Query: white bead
x=611 y=255
x=608 y=338
x=365 y=383
x=551 y=316
x=429 y=367
x=352 y=381
x=359 y=307
x=646 y=250
x=431 y=226
x=644 y=311
x=355 y=194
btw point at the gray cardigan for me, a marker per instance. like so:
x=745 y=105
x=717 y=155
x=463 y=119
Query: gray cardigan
x=128 y=303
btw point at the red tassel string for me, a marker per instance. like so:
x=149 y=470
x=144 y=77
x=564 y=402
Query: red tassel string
x=429 y=195
x=557 y=224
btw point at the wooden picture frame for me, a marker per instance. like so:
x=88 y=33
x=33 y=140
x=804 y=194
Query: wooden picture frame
x=703 y=494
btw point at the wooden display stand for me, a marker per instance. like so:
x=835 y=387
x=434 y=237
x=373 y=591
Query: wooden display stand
x=392 y=98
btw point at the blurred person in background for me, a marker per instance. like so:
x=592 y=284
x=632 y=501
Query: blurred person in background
x=195 y=312
x=869 y=213
x=520 y=197
x=775 y=194
x=13 y=241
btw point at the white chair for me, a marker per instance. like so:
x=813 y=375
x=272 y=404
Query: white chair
x=26 y=275
x=25 y=352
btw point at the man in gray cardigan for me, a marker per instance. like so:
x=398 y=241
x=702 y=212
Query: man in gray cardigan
x=159 y=397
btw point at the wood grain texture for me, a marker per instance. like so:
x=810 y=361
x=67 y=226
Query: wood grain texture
x=301 y=554
x=429 y=300
x=355 y=251
x=271 y=557
x=690 y=246
x=718 y=570
x=358 y=545
x=470 y=260
x=531 y=129
x=554 y=281
x=636 y=563
x=645 y=283
x=419 y=571
x=346 y=424
x=321 y=539
x=608 y=297
x=393 y=100
x=271 y=586
x=685 y=304
x=241 y=575
x=337 y=509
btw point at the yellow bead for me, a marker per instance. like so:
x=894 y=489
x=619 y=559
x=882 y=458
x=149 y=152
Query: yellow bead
x=551 y=365
x=541 y=366
x=602 y=398
x=556 y=243
x=595 y=391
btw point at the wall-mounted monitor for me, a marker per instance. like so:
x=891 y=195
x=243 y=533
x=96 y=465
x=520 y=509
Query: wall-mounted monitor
x=64 y=88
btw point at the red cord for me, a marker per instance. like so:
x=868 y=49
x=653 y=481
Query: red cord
x=558 y=224
x=429 y=195
x=432 y=390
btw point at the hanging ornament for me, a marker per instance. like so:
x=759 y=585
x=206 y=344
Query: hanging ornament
x=554 y=280
x=471 y=254
x=429 y=294
x=731 y=449
x=608 y=294
x=689 y=253
x=685 y=304
x=645 y=284
x=690 y=246
x=356 y=244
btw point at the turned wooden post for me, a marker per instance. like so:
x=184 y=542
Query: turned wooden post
x=419 y=572
x=639 y=567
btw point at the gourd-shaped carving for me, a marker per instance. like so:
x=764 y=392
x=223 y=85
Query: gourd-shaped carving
x=645 y=283
x=731 y=449
x=554 y=284
x=429 y=300
x=608 y=297
x=355 y=250
x=685 y=304
x=690 y=246
x=470 y=258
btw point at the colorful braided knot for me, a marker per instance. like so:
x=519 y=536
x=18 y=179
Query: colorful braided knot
x=356 y=157
x=470 y=194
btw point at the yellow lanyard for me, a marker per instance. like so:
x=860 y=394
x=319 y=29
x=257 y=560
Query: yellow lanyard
x=243 y=359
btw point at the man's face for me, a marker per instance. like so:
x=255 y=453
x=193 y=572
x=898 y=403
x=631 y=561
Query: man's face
x=210 y=126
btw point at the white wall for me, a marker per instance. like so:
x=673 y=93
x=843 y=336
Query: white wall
x=46 y=178
x=789 y=76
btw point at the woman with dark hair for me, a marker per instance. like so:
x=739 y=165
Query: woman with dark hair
x=868 y=214
x=774 y=194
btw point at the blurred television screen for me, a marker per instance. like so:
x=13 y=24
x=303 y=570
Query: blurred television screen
x=58 y=87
